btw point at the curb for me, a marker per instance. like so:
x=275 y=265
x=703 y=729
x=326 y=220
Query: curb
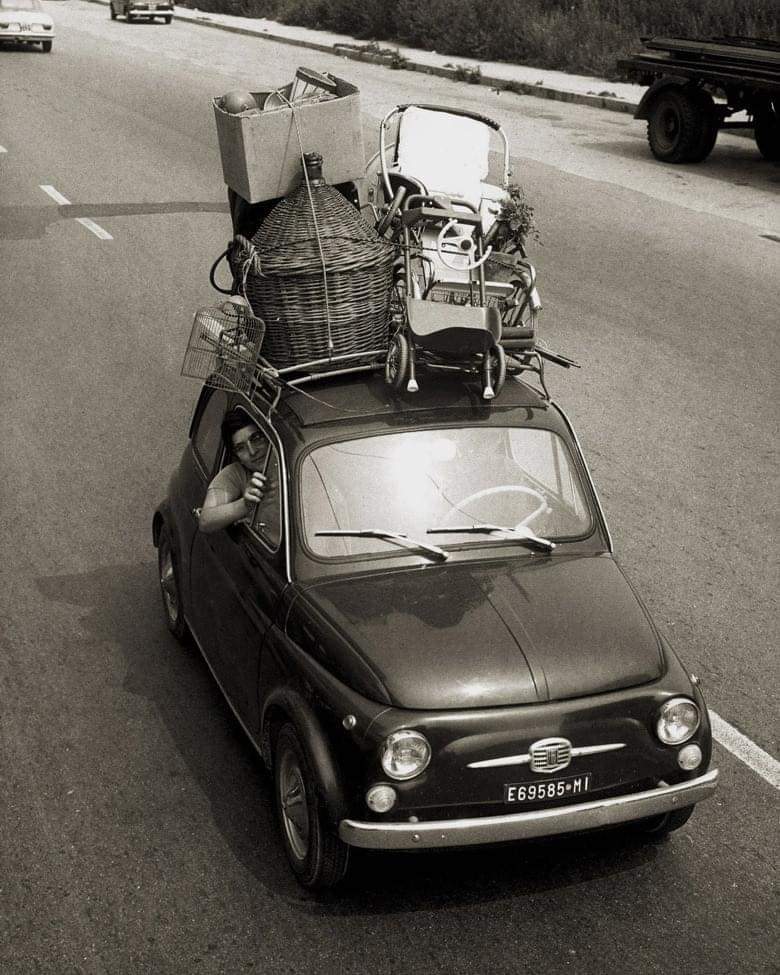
x=342 y=50
x=502 y=84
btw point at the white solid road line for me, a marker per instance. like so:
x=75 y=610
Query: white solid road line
x=3 y=149
x=746 y=751
x=56 y=195
x=94 y=228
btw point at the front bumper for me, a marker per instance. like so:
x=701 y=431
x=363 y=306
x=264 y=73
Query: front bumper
x=151 y=10
x=522 y=826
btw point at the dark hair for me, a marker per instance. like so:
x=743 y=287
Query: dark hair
x=233 y=421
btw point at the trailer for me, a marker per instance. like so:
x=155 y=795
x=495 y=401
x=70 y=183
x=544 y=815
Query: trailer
x=696 y=86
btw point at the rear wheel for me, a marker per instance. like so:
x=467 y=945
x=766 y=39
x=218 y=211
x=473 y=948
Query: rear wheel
x=661 y=826
x=766 y=131
x=681 y=126
x=169 y=587
x=316 y=854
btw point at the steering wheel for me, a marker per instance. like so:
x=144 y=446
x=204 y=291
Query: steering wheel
x=501 y=489
x=462 y=247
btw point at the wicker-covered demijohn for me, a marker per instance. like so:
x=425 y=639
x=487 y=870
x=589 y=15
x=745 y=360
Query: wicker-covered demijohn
x=323 y=289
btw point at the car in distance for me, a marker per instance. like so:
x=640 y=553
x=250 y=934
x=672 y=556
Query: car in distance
x=142 y=9
x=25 y=22
x=427 y=636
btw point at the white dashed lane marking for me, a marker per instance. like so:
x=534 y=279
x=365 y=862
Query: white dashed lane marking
x=56 y=195
x=93 y=227
x=745 y=750
x=96 y=229
x=3 y=149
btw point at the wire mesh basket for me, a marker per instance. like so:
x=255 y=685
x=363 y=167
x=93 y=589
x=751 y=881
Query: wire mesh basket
x=224 y=346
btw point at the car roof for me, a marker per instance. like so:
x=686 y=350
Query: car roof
x=353 y=400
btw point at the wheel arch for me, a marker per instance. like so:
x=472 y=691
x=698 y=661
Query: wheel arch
x=662 y=84
x=286 y=705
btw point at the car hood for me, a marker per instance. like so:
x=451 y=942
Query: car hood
x=467 y=635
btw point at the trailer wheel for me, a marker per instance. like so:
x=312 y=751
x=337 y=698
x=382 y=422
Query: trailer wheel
x=766 y=131
x=682 y=125
x=710 y=125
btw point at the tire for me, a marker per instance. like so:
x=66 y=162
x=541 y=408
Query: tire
x=397 y=362
x=710 y=126
x=659 y=827
x=766 y=132
x=493 y=372
x=167 y=19
x=679 y=126
x=170 y=589
x=317 y=856
x=46 y=46
x=113 y=12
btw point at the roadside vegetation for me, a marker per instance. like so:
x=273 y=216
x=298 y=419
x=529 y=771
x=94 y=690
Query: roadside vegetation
x=581 y=36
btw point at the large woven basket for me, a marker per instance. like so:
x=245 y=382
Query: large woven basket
x=286 y=286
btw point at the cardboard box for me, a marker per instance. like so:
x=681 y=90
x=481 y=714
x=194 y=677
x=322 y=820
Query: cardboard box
x=261 y=153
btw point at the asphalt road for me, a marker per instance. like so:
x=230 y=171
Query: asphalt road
x=136 y=830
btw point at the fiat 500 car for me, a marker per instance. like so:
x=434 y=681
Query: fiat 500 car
x=25 y=22
x=423 y=629
x=141 y=9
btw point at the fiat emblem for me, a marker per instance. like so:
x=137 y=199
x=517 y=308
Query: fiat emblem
x=550 y=754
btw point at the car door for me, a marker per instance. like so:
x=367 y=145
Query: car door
x=241 y=573
x=202 y=459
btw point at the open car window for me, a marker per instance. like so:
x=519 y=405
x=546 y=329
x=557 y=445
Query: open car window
x=207 y=435
x=414 y=481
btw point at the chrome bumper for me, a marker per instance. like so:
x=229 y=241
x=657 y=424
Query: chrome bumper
x=522 y=826
x=32 y=34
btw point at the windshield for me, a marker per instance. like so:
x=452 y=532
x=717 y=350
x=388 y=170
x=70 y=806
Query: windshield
x=415 y=481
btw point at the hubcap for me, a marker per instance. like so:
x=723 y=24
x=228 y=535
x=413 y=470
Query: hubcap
x=294 y=805
x=168 y=583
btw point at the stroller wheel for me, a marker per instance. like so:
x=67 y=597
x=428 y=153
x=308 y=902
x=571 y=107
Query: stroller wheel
x=397 y=362
x=493 y=372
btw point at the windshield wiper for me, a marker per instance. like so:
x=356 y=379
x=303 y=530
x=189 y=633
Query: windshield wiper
x=398 y=537
x=523 y=535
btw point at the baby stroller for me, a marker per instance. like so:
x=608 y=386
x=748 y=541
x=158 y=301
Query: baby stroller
x=459 y=303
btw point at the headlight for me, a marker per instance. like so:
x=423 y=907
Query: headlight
x=405 y=754
x=678 y=720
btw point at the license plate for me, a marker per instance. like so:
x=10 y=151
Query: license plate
x=15 y=27
x=565 y=788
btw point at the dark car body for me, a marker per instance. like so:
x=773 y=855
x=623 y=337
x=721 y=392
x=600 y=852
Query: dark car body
x=142 y=9
x=536 y=677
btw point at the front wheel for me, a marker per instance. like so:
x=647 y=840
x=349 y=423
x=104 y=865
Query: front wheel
x=317 y=856
x=493 y=372
x=680 y=126
x=46 y=46
x=113 y=12
x=659 y=827
x=167 y=19
x=397 y=362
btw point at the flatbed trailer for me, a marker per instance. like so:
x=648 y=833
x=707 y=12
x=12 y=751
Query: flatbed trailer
x=695 y=86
